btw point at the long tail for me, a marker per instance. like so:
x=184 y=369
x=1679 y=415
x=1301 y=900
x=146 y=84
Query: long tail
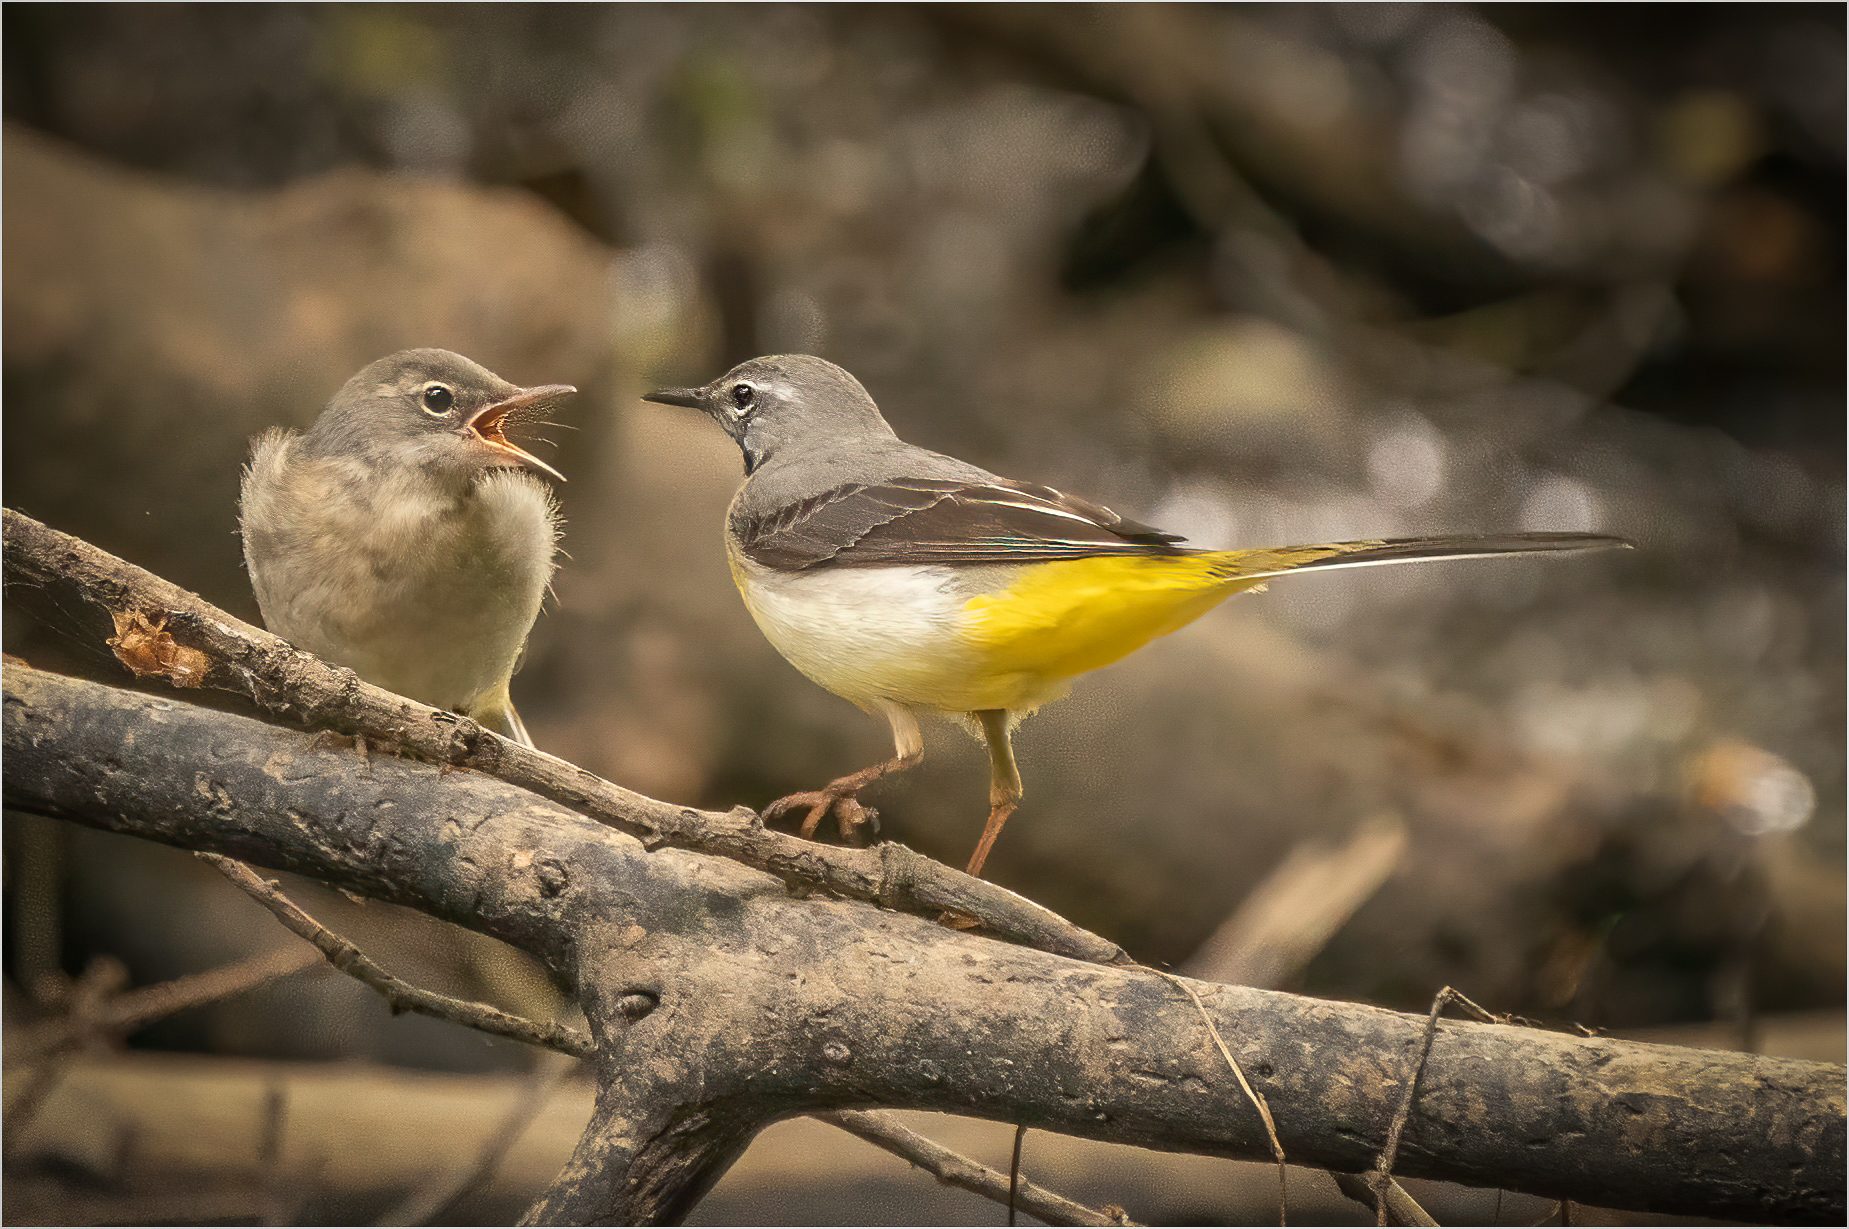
x=1275 y=561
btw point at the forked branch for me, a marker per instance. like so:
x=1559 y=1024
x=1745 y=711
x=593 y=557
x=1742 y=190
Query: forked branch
x=718 y=1003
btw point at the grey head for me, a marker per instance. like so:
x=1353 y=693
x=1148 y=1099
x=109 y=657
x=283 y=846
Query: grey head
x=784 y=405
x=434 y=410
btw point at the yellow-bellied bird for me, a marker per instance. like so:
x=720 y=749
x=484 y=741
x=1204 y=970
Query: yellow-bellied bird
x=909 y=582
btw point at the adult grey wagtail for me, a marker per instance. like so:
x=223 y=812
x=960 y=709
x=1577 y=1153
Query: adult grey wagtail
x=909 y=582
x=400 y=537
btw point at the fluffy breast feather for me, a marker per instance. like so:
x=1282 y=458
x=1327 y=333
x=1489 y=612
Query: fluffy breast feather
x=428 y=592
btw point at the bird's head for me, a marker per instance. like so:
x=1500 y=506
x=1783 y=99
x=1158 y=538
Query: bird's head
x=782 y=403
x=434 y=410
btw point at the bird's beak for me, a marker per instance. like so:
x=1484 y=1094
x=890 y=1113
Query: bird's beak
x=486 y=423
x=692 y=398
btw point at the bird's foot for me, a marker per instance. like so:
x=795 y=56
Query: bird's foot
x=858 y=823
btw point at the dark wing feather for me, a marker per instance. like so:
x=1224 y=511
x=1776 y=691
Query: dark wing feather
x=934 y=521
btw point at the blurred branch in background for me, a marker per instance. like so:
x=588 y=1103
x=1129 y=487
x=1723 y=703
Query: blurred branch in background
x=1282 y=924
x=96 y=1011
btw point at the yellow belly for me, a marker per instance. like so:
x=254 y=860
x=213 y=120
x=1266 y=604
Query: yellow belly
x=1060 y=620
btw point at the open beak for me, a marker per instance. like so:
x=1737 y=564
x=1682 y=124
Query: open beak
x=692 y=398
x=486 y=424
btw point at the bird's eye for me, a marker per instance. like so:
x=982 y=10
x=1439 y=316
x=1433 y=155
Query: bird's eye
x=741 y=395
x=438 y=399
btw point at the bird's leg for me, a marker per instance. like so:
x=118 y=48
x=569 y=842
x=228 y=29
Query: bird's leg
x=1004 y=784
x=1004 y=797
x=841 y=794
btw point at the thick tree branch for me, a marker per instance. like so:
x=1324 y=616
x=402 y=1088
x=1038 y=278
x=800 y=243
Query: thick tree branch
x=878 y=1129
x=719 y=1004
x=163 y=629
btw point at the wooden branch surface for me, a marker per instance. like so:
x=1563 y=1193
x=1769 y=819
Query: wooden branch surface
x=165 y=630
x=880 y=1130
x=731 y=1004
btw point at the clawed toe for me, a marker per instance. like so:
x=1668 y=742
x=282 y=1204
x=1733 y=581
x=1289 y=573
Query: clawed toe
x=852 y=818
x=789 y=804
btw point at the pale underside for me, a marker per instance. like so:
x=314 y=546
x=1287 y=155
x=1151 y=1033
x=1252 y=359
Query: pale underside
x=963 y=639
x=420 y=591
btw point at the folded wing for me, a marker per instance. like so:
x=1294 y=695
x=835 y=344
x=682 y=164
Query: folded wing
x=936 y=521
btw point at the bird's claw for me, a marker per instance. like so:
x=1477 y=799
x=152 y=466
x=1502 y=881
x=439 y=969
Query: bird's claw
x=858 y=823
x=783 y=807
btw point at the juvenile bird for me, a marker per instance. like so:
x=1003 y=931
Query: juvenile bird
x=400 y=537
x=909 y=582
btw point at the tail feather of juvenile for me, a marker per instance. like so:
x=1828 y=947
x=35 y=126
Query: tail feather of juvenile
x=1371 y=552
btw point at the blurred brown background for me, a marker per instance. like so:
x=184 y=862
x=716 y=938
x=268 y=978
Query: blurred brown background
x=1259 y=275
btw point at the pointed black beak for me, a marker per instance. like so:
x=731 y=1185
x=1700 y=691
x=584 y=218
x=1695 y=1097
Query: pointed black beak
x=692 y=398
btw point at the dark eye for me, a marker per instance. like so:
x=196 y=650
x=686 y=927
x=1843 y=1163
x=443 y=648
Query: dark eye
x=438 y=399
x=741 y=395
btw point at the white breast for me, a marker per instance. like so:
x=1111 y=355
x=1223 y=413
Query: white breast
x=866 y=634
x=423 y=592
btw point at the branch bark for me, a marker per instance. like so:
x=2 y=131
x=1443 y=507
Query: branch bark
x=877 y=1129
x=719 y=1004
x=164 y=630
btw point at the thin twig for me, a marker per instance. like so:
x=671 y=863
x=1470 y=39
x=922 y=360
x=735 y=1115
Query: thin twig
x=954 y=1169
x=1383 y=1165
x=1283 y=923
x=1252 y=1094
x=400 y=995
x=1014 y=1172
x=99 y=1012
x=1402 y=1208
x=428 y=1202
x=136 y=1009
x=24 y=1106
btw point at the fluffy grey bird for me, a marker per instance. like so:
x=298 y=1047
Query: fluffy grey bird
x=400 y=537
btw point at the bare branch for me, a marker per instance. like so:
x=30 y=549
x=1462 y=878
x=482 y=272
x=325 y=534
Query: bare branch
x=720 y=1004
x=1284 y=922
x=122 y=1012
x=174 y=627
x=878 y=1129
x=349 y=959
x=1382 y=1175
x=884 y=1131
x=1402 y=1208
